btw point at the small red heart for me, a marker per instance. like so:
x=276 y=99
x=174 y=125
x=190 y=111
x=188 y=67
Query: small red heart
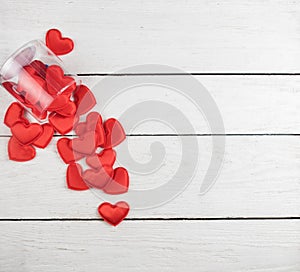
x=45 y=138
x=57 y=82
x=62 y=124
x=58 y=44
x=115 y=133
x=80 y=129
x=93 y=123
x=98 y=178
x=68 y=110
x=74 y=178
x=106 y=157
x=114 y=214
x=19 y=152
x=86 y=144
x=26 y=133
x=119 y=184
x=14 y=114
x=65 y=151
x=84 y=99
x=58 y=103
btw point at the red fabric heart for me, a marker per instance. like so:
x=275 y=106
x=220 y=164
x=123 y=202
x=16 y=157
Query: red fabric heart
x=14 y=114
x=62 y=124
x=115 y=133
x=19 y=152
x=46 y=136
x=80 y=129
x=58 y=44
x=57 y=82
x=106 y=157
x=26 y=133
x=119 y=184
x=98 y=178
x=58 y=103
x=68 y=110
x=93 y=123
x=84 y=99
x=65 y=151
x=113 y=214
x=86 y=144
x=74 y=178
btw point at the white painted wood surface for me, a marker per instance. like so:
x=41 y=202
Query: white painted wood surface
x=259 y=178
x=260 y=175
x=239 y=246
x=196 y=36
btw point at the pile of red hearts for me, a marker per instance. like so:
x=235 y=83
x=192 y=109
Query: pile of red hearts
x=96 y=139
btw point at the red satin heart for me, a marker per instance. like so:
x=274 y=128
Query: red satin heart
x=98 y=178
x=19 y=152
x=57 y=82
x=68 y=110
x=14 y=114
x=59 y=102
x=93 y=123
x=39 y=68
x=86 y=144
x=26 y=133
x=84 y=99
x=106 y=157
x=45 y=138
x=58 y=44
x=119 y=184
x=74 y=178
x=115 y=133
x=65 y=151
x=114 y=214
x=62 y=124
x=80 y=129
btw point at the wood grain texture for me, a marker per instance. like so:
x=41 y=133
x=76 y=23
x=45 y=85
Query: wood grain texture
x=259 y=178
x=248 y=104
x=196 y=36
x=241 y=246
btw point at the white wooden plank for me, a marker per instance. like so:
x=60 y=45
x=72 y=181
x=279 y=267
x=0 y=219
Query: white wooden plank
x=244 y=246
x=196 y=36
x=259 y=178
x=248 y=104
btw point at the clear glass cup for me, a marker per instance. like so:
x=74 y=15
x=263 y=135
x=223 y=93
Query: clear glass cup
x=35 y=77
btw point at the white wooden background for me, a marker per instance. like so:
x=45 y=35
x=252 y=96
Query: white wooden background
x=247 y=54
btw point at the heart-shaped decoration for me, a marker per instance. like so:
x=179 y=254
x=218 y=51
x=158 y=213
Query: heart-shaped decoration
x=14 y=114
x=62 y=124
x=119 y=184
x=113 y=214
x=80 y=128
x=58 y=44
x=86 y=144
x=98 y=178
x=84 y=99
x=68 y=110
x=65 y=151
x=26 y=133
x=46 y=136
x=74 y=178
x=114 y=132
x=59 y=102
x=19 y=152
x=106 y=157
x=57 y=82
